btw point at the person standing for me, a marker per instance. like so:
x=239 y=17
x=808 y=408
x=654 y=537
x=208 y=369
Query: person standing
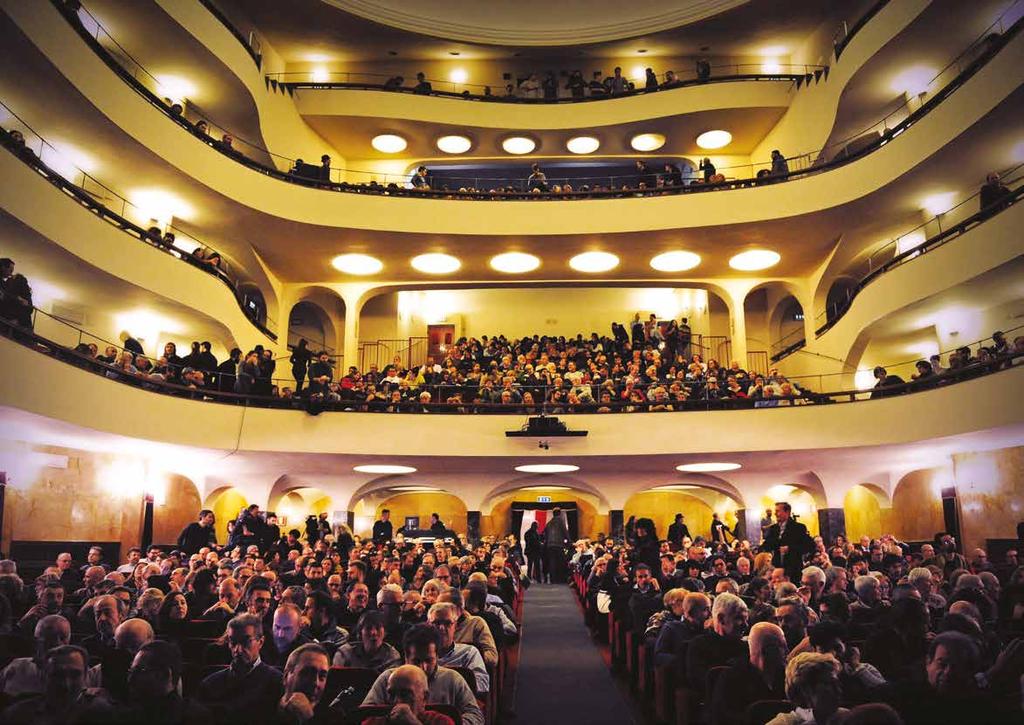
x=383 y=529
x=556 y=538
x=677 y=531
x=685 y=335
x=199 y=533
x=534 y=553
x=788 y=541
x=300 y=363
x=719 y=529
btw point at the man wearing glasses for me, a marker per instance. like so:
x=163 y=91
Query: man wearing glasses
x=444 y=617
x=249 y=689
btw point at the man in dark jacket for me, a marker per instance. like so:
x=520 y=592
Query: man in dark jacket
x=788 y=541
x=383 y=529
x=885 y=380
x=760 y=677
x=249 y=689
x=677 y=532
x=556 y=538
x=198 y=534
x=227 y=371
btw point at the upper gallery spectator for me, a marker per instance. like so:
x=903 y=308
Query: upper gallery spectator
x=780 y=167
x=422 y=86
x=994 y=193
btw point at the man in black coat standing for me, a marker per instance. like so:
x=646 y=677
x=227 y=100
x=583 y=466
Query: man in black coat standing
x=678 y=531
x=788 y=541
x=198 y=534
x=556 y=538
x=383 y=529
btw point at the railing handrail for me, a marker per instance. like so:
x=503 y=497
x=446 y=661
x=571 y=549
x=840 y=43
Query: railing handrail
x=839 y=47
x=813 y=159
x=226 y=22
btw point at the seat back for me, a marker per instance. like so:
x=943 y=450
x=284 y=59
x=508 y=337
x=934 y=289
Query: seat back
x=764 y=710
x=351 y=683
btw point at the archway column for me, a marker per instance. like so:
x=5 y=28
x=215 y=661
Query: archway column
x=354 y=296
x=736 y=291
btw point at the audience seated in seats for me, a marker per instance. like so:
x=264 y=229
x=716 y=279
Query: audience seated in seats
x=721 y=643
x=759 y=677
x=408 y=691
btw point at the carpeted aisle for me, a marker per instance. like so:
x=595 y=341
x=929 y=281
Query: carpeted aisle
x=562 y=678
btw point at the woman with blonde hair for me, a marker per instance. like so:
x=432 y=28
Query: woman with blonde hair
x=763 y=564
x=812 y=684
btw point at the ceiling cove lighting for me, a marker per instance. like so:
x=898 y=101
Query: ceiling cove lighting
x=937 y=204
x=708 y=467
x=714 y=139
x=518 y=145
x=771 y=66
x=459 y=75
x=454 y=144
x=357 y=264
x=389 y=143
x=583 y=145
x=436 y=263
x=647 y=141
x=384 y=469
x=675 y=261
x=548 y=468
x=545 y=488
x=594 y=262
x=418 y=489
x=320 y=75
x=754 y=260
x=515 y=262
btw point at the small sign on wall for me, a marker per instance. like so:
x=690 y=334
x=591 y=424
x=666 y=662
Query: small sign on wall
x=543 y=499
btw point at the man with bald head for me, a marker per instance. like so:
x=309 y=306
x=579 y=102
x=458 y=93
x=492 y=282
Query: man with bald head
x=108 y=613
x=407 y=696
x=112 y=672
x=286 y=636
x=27 y=675
x=92 y=577
x=762 y=676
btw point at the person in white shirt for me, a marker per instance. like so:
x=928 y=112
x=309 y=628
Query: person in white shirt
x=27 y=675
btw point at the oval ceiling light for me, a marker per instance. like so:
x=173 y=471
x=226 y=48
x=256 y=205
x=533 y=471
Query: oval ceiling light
x=384 y=469
x=675 y=261
x=436 y=263
x=515 y=262
x=594 y=262
x=389 y=143
x=707 y=467
x=754 y=260
x=357 y=264
x=647 y=141
x=714 y=139
x=583 y=144
x=454 y=144
x=518 y=145
x=548 y=468
x=418 y=489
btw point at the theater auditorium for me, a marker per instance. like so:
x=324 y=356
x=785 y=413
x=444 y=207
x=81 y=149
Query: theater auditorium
x=435 y=362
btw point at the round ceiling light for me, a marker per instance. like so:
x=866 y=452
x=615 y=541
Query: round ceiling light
x=357 y=264
x=707 y=467
x=755 y=260
x=594 y=262
x=714 y=139
x=583 y=144
x=459 y=75
x=454 y=144
x=547 y=468
x=389 y=143
x=675 y=261
x=436 y=263
x=384 y=469
x=515 y=262
x=647 y=141
x=418 y=489
x=518 y=145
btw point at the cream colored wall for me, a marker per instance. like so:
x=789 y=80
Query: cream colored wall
x=990 y=486
x=917 y=505
x=863 y=514
x=226 y=505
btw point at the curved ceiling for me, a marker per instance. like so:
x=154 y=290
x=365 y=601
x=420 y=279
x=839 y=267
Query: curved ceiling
x=535 y=22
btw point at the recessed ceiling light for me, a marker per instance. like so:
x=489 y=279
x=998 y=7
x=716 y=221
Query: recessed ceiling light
x=583 y=144
x=357 y=264
x=594 y=262
x=423 y=489
x=647 y=141
x=707 y=467
x=515 y=262
x=754 y=260
x=454 y=144
x=436 y=263
x=914 y=80
x=459 y=75
x=547 y=468
x=384 y=469
x=937 y=204
x=518 y=145
x=674 y=487
x=389 y=143
x=714 y=139
x=771 y=67
x=676 y=261
x=545 y=488
x=453 y=52
x=320 y=75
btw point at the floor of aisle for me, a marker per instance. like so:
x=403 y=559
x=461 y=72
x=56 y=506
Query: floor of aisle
x=562 y=677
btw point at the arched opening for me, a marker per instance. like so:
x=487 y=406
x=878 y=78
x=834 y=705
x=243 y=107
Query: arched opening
x=917 y=505
x=840 y=293
x=293 y=505
x=804 y=503
x=590 y=520
x=787 y=324
x=226 y=504
x=307 y=320
x=865 y=508
x=175 y=509
x=410 y=504
x=695 y=503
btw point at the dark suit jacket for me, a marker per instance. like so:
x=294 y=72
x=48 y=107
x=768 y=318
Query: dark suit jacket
x=799 y=543
x=243 y=699
x=739 y=687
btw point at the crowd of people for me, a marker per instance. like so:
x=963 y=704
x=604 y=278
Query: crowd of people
x=786 y=628
x=248 y=632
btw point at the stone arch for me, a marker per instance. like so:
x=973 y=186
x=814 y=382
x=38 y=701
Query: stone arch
x=866 y=507
x=450 y=507
x=761 y=310
x=917 y=503
x=175 y=507
x=226 y=502
x=496 y=519
x=313 y=308
x=697 y=502
x=544 y=481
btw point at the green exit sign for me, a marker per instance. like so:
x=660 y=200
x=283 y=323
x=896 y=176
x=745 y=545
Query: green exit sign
x=543 y=499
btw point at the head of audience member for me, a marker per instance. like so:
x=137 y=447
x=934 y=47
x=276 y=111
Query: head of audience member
x=421 y=644
x=792 y=616
x=155 y=672
x=244 y=641
x=407 y=691
x=132 y=634
x=51 y=597
x=51 y=631
x=951 y=662
x=444 y=617
x=812 y=683
x=868 y=590
x=768 y=649
x=64 y=675
x=259 y=598
x=729 y=616
x=814 y=579
x=358 y=598
x=372 y=631
x=108 y=612
x=287 y=623
x=319 y=611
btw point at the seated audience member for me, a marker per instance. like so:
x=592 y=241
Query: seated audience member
x=422 y=86
x=812 y=684
x=112 y=671
x=286 y=635
x=869 y=605
x=722 y=642
x=27 y=675
x=322 y=626
x=50 y=601
x=108 y=613
x=471 y=629
x=368 y=650
x=645 y=599
x=61 y=701
x=445 y=686
x=408 y=691
x=305 y=678
x=762 y=676
x=249 y=689
x=443 y=616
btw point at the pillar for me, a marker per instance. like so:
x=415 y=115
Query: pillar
x=616 y=523
x=147 y=521
x=951 y=515
x=738 y=333
x=748 y=525
x=831 y=523
x=3 y=493
x=350 y=346
x=473 y=526
x=810 y=321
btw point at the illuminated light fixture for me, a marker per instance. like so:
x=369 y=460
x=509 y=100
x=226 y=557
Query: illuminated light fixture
x=515 y=262
x=910 y=240
x=675 y=487
x=421 y=489
x=459 y=75
x=175 y=87
x=714 y=139
x=545 y=488
x=708 y=467
x=647 y=141
x=583 y=145
x=320 y=74
x=518 y=145
x=937 y=204
x=774 y=51
x=548 y=468
x=914 y=80
x=436 y=263
x=675 y=261
x=384 y=469
x=357 y=264
x=639 y=73
x=389 y=143
x=594 y=262
x=159 y=206
x=771 y=67
x=454 y=144
x=755 y=260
